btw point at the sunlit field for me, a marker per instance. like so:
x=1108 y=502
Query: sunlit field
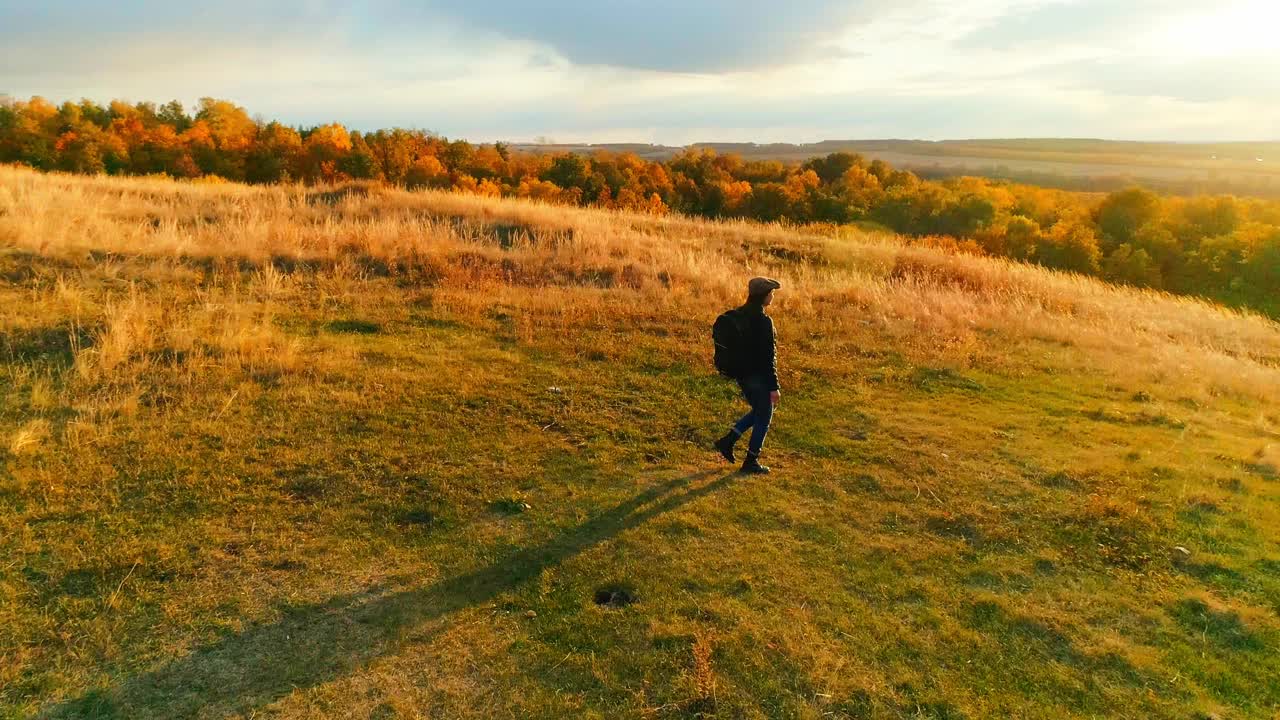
x=1223 y=248
x=353 y=451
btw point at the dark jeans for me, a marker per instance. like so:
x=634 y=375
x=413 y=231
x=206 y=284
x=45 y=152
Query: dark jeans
x=757 y=396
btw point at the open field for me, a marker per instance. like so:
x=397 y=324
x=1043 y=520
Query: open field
x=1181 y=168
x=359 y=452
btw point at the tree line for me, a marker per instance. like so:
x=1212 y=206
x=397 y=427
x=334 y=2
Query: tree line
x=1221 y=246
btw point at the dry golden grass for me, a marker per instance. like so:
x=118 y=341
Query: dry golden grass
x=29 y=436
x=228 y=331
x=955 y=305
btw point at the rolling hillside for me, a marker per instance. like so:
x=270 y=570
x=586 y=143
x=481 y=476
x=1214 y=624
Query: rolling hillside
x=361 y=452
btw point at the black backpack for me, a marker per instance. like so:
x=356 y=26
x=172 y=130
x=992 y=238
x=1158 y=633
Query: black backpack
x=729 y=335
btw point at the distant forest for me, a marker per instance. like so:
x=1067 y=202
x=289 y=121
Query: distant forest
x=1217 y=246
x=1249 y=169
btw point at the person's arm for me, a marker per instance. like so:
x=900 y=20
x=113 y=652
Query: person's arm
x=771 y=367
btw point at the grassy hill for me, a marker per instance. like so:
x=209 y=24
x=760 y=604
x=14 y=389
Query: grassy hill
x=357 y=452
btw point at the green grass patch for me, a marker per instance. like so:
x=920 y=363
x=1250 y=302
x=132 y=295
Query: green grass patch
x=496 y=502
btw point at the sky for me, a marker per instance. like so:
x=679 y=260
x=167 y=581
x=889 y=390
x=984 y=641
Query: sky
x=676 y=71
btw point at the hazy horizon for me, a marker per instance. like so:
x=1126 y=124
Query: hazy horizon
x=540 y=139
x=668 y=73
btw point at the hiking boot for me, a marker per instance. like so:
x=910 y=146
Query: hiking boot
x=752 y=466
x=725 y=446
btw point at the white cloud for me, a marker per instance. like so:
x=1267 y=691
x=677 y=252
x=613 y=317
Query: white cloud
x=926 y=68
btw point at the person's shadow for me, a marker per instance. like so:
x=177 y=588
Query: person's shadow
x=314 y=644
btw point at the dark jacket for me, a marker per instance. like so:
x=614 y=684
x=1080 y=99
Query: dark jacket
x=761 y=353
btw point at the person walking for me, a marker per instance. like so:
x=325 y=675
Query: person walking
x=746 y=352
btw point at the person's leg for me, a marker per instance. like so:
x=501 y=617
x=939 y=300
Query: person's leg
x=726 y=443
x=761 y=415
x=749 y=387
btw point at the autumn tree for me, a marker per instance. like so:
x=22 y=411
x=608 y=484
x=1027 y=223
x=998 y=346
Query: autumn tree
x=358 y=163
x=1122 y=213
x=574 y=171
x=426 y=171
x=833 y=167
x=31 y=134
x=220 y=138
x=394 y=152
x=322 y=148
x=965 y=216
x=274 y=155
x=1132 y=267
x=1261 y=268
x=1071 y=244
x=457 y=155
x=174 y=115
x=78 y=151
x=1202 y=217
x=769 y=201
x=1163 y=250
x=1022 y=237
